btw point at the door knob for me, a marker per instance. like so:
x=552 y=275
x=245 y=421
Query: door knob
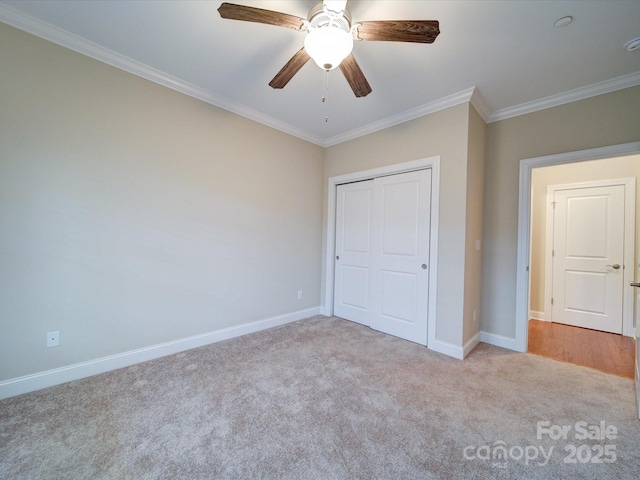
x=634 y=284
x=615 y=266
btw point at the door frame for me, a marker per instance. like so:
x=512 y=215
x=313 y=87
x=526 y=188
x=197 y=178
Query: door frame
x=628 y=260
x=330 y=228
x=524 y=222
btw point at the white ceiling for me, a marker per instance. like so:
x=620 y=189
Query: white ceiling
x=508 y=50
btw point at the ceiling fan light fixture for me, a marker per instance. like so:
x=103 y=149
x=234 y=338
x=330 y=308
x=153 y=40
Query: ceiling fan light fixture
x=328 y=46
x=335 y=7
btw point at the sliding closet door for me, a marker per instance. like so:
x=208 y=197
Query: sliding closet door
x=353 y=251
x=382 y=252
x=400 y=246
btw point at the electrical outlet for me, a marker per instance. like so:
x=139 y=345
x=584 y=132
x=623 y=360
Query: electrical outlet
x=53 y=339
x=475 y=316
x=299 y=294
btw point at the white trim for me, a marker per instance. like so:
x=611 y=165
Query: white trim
x=36 y=381
x=628 y=259
x=417 y=112
x=470 y=345
x=333 y=182
x=66 y=39
x=54 y=34
x=477 y=100
x=548 y=257
x=500 y=341
x=446 y=348
x=607 y=86
x=533 y=315
x=455 y=351
x=524 y=221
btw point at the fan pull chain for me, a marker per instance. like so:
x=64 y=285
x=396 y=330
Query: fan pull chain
x=326 y=92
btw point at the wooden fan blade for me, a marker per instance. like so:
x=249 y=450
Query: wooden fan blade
x=258 y=15
x=290 y=69
x=355 y=77
x=419 y=31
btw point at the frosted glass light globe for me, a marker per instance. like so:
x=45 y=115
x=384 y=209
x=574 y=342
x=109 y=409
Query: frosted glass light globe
x=328 y=46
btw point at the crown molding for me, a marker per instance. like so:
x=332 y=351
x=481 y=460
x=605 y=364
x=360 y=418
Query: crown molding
x=90 y=49
x=420 y=111
x=477 y=100
x=607 y=86
x=61 y=37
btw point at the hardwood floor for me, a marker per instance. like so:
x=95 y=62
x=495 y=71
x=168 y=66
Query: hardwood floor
x=602 y=351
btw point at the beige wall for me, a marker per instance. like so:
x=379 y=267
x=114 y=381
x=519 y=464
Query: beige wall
x=611 y=168
x=475 y=194
x=132 y=215
x=604 y=120
x=445 y=133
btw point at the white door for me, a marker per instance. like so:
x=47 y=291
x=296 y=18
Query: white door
x=382 y=252
x=588 y=249
x=353 y=251
x=399 y=301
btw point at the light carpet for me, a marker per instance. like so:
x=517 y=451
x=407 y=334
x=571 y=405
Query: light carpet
x=325 y=398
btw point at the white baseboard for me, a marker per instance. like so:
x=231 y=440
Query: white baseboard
x=446 y=348
x=36 y=381
x=471 y=344
x=533 y=315
x=498 y=340
x=455 y=351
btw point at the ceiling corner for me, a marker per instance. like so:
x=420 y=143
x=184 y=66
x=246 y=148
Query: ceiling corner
x=477 y=100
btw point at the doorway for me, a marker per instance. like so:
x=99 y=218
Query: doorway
x=576 y=167
x=577 y=263
x=587 y=227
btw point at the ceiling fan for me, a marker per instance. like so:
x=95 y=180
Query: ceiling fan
x=330 y=36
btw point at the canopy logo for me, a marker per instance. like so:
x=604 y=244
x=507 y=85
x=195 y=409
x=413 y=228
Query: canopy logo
x=500 y=454
x=598 y=450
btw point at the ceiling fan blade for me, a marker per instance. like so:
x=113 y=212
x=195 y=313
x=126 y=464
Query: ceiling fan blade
x=259 y=15
x=290 y=69
x=355 y=77
x=419 y=31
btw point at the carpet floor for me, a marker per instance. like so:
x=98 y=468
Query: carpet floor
x=325 y=398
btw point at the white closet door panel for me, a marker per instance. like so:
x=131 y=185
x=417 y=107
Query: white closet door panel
x=353 y=251
x=399 y=218
x=400 y=254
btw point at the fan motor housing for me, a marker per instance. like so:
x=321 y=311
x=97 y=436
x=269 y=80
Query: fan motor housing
x=318 y=18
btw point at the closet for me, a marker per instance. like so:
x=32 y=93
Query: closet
x=382 y=253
